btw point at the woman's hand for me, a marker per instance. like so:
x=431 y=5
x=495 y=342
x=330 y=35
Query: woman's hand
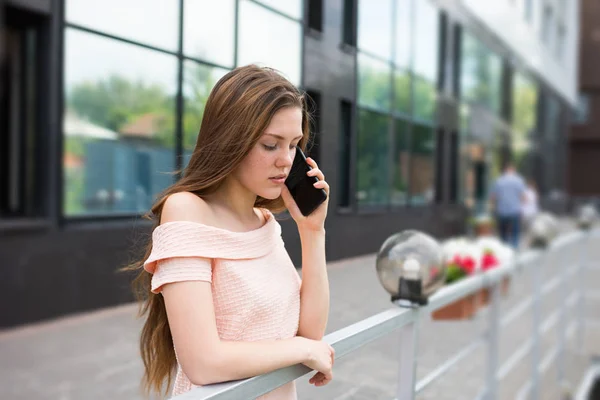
x=320 y=358
x=316 y=220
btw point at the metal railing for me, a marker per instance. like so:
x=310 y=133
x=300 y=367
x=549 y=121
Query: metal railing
x=354 y=336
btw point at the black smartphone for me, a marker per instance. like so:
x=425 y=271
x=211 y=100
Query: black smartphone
x=300 y=185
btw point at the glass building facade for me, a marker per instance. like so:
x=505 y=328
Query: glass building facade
x=135 y=87
x=415 y=114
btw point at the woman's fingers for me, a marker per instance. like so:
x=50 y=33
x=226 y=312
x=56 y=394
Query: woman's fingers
x=320 y=379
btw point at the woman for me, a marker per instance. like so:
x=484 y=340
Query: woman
x=222 y=298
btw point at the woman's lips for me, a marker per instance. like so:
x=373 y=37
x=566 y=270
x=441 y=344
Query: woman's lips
x=279 y=179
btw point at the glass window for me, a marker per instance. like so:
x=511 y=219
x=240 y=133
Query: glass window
x=375 y=27
x=424 y=99
x=402 y=90
x=529 y=10
x=583 y=109
x=268 y=39
x=426 y=35
x=344 y=154
x=404 y=36
x=401 y=163
x=481 y=74
x=199 y=80
x=293 y=8
x=374 y=83
x=118 y=125
x=560 y=41
x=469 y=64
x=348 y=26
x=552 y=123
x=422 y=168
x=524 y=99
x=547 y=24
x=208 y=32
x=153 y=22
x=372 y=166
x=495 y=99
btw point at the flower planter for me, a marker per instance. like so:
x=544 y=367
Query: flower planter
x=464 y=308
x=485 y=294
x=484 y=229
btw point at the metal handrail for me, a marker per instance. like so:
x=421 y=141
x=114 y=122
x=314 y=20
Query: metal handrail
x=352 y=337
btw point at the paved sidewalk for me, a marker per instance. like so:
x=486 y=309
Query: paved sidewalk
x=95 y=356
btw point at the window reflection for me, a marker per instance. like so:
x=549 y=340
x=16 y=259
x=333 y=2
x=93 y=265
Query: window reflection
x=422 y=168
x=404 y=17
x=424 y=100
x=118 y=125
x=426 y=35
x=152 y=22
x=266 y=38
x=476 y=174
x=199 y=80
x=402 y=91
x=481 y=74
x=375 y=27
x=293 y=8
x=374 y=83
x=401 y=163
x=208 y=30
x=524 y=100
x=372 y=166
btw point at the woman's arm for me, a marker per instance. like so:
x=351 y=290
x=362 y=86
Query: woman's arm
x=206 y=359
x=314 y=292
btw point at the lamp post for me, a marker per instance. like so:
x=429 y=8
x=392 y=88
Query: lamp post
x=410 y=268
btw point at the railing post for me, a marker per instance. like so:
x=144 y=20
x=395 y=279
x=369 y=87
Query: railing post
x=408 y=360
x=492 y=339
x=583 y=249
x=565 y=261
x=536 y=310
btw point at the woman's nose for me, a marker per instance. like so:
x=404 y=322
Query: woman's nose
x=286 y=159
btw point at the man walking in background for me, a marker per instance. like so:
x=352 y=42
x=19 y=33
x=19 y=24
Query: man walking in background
x=507 y=197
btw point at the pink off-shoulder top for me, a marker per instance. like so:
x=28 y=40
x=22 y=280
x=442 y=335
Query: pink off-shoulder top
x=255 y=287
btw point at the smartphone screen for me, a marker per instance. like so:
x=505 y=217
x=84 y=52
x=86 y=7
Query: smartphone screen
x=300 y=185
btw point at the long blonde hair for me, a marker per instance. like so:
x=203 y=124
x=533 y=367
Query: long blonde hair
x=238 y=110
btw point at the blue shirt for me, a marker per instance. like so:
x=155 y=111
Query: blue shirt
x=508 y=191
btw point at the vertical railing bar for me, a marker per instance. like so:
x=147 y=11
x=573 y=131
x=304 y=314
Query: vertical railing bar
x=581 y=285
x=408 y=360
x=562 y=326
x=536 y=272
x=492 y=341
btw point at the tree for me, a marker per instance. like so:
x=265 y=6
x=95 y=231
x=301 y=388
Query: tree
x=115 y=101
x=199 y=81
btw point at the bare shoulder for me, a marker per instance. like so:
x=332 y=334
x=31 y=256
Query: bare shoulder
x=186 y=206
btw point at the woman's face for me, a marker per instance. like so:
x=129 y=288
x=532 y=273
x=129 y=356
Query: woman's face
x=265 y=168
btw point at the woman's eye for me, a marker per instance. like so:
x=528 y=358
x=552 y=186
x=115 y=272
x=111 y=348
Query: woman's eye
x=269 y=148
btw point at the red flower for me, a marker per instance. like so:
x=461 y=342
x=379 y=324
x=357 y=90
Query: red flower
x=468 y=264
x=489 y=261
